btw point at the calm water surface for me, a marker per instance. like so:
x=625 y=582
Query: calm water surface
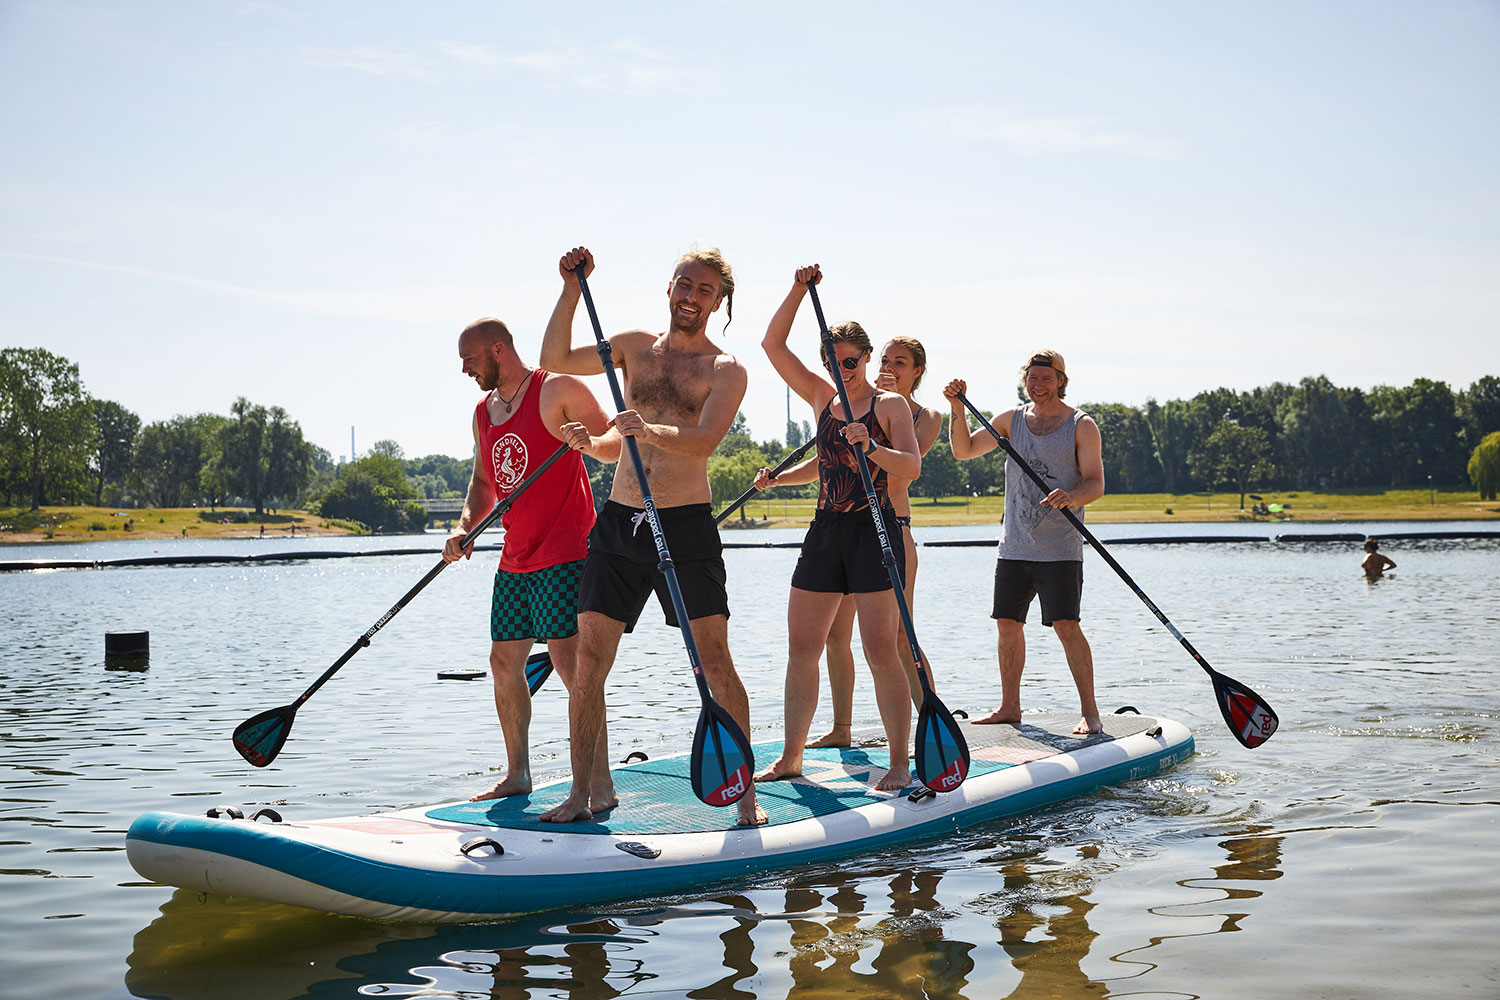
x=1355 y=855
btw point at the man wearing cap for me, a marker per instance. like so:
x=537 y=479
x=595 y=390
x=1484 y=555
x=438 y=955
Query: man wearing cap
x=1041 y=554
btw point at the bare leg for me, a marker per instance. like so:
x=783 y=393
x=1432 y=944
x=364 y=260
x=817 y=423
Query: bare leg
x=1081 y=663
x=877 y=633
x=1012 y=648
x=711 y=635
x=903 y=644
x=840 y=656
x=513 y=706
x=564 y=653
x=598 y=641
x=808 y=617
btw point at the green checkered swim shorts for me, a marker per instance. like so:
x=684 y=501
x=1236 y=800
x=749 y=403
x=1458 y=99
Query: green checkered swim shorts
x=542 y=604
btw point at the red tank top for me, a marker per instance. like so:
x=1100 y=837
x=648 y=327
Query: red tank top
x=550 y=522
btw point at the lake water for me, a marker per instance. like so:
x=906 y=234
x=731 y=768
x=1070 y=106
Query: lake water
x=1357 y=854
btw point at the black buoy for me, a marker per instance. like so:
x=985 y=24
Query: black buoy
x=127 y=650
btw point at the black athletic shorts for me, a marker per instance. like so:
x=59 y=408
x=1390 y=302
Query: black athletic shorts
x=1058 y=584
x=620 y=570
x=841 y=554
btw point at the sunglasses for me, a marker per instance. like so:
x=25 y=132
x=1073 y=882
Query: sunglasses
x=852 y=363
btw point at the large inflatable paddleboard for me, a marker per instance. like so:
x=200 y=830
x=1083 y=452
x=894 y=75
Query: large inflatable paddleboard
x=484 y=860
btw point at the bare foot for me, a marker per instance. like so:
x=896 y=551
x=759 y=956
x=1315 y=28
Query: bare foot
x=570 y=809
x=895 y=779
x=603 y=801
x=783 y=768
x=1087 y=725
x=510 y=786
x=751 y=814
x=1001 y=715
x=833 y=739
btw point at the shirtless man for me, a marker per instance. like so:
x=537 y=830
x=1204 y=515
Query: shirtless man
x=681 y=396
x=1041 y=554
x=517 y=425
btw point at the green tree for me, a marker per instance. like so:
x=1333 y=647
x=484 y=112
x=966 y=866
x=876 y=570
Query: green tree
x=114 y=444
x=45 y=424
x=730 y=475
x=941 y=475
x=1232 y=454
x=1417 y=433
x=1479 y=409
x=737 y=438
x=1130 y=464
x=375 y=492
x=263 y=455
x=170 y=457
x=1484 y=466
x=388 y=448
x=1170 y=440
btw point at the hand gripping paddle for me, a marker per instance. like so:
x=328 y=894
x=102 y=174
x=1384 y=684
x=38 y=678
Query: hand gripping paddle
x=260 y=739
x=1246 y=713
x=722 y=761
x=942 y=751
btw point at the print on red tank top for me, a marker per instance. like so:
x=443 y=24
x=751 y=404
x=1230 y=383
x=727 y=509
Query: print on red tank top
x=550 y=523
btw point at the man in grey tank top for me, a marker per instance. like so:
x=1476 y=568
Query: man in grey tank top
x=1041 y=554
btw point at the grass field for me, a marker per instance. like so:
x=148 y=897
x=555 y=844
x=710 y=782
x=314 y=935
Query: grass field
x=1167 y=508
x=73 y=524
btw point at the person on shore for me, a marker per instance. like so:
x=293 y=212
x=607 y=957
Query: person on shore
x=1041 y=553
x=903 y=362
x=517 y=426
x=682 y=393
x=1375 y=562
x=841 y=552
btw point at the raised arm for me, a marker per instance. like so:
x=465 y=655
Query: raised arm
x=583 y=424
x=812 y=386
x=966 y=445
x=558 y=353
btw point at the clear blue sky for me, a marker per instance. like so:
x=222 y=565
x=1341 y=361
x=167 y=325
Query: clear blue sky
x=303 y=203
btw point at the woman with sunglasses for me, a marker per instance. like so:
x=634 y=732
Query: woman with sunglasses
x=903 y=362
x=841 y=552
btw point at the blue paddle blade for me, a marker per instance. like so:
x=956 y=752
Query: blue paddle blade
x=260 y=739
x=942 y=751
x=722 y=761
x=538 y=669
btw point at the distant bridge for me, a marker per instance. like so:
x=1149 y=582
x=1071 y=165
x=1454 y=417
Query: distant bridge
x=439 y=510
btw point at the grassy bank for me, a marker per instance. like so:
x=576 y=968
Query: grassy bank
x=74 y=524
x=86 y=524
x=1182 y=508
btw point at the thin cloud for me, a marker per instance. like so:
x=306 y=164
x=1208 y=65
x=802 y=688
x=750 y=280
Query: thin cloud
x=391 y=65
x=1061 y=133
x=623 y=63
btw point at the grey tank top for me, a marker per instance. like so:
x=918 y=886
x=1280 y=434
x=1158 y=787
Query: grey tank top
x=1031 y=531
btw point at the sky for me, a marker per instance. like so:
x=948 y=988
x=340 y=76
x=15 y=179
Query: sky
x=304 y=203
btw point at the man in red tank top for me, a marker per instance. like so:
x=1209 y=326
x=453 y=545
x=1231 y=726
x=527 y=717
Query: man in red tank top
x=517 y=426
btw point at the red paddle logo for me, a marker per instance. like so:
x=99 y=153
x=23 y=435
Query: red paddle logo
x=1255 y=724
x=509 y=456
x=731 y=790
x=951 y=778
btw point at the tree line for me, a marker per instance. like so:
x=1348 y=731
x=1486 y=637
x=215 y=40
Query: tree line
x=59 y=445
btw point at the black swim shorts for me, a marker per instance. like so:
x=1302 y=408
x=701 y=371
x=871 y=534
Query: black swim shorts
x=621 y=571
x=841 y=554
x=1058 y=584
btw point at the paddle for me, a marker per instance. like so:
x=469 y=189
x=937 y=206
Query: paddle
x=781 y=467
x=942 y=752
x=1246 y=713
x=722 y=760
x=260 y=739
x=538 y=669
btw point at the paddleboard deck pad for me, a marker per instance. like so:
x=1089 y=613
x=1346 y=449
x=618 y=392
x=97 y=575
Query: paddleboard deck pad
x=492 y=859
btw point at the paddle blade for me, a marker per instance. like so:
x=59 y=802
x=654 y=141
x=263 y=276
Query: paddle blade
x=1248 y=716
x=538 y=669
x=942 y=751
x=261 y=738
x=722 y=760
